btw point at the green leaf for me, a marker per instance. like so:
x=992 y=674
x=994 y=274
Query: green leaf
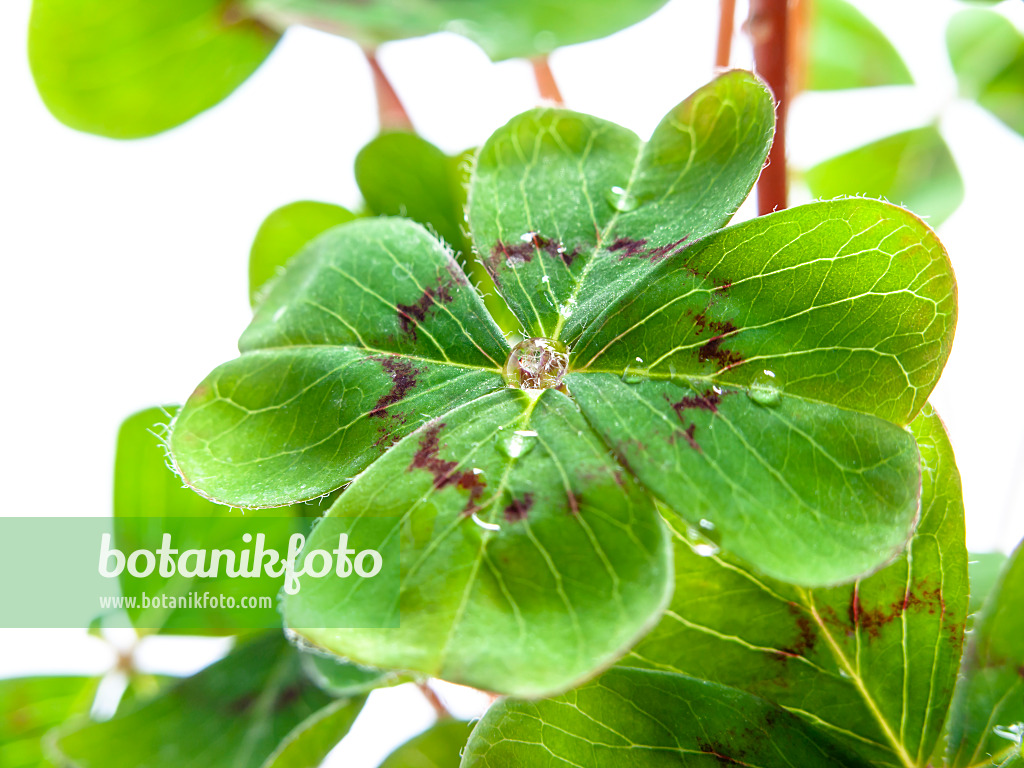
x=401 y=174
x=848 y=51
x=827 y=315
x=342 y=678
x=804 y=491
x=987 y=52
x=310 y=741
x=375 y=322
x=984 y=568
x=849 y=302
x=31 y=706
x=568 y=211
x=873 y=663
x=505 y=29
x=127 y=69
x=440 y=746
x=988 y=710
x=529 y=560
x=234 y=712
x=644 y=718
x=282 y=234
x=914 y=168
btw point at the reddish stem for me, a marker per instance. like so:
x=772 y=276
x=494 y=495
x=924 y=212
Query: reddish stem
x=391 y=113
x=546 y=83
x=726 y=19
x=769 y=29
x=435 y=701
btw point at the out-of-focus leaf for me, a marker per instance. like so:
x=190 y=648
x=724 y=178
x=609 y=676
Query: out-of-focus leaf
x=440 y=746
x=987 y=52
x=984 y=569
x=30 y=707
x=401 y=174
x=145 y=487
x=505 y=29
x=310 y=741
x=647 y=719
x=987 y=718
x=848 y=51
x=127 y=69
x=874 y=663
x=283 y=234
x=343 y=678
x=529 y=560
x=233 y=713
x=914 y=169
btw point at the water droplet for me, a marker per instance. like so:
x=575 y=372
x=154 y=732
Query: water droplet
x=546 y=279
x=516 y=444
x=621 y=200
x=707 y=525
x=764 y=389
x=528 y=237
x=537 y=364
x=633 y=375
x=700 y=543
x=400 y=272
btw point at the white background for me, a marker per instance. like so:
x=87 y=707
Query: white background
x=124 y=264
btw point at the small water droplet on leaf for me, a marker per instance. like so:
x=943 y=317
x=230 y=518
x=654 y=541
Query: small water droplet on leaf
x=621 y=200
x=537 y=364
x=764 y=389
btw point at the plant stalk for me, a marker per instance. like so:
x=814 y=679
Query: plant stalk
x=726 y=20
x=435 y=701
x=390 y=111
x=769 y=30
x=546 y=83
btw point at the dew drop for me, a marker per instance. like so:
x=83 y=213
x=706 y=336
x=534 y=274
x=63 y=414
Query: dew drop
x=764 y=389
x=537 y=364
x=621 y=200
x=633 y=375
x=707 y=525
x=699 y=541
x=546 y=279
x=518 y=443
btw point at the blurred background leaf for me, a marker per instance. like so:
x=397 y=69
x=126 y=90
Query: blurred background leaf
x=282 y=234
x=914 y=169
x=235 y=712
x=31 y=706
x=440 y=746
x=127 y=69
x=848 y=51
x=987 y=52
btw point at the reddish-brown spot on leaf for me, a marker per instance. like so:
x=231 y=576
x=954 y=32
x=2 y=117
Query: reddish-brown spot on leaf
x=627 y=247
x=403 y=378
x=708 y=401
x=712 y=350
x=921 y=597
x=807 y=636
x=445 y=472
x=409 y=315
x=518 y=509
x=514 y=254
